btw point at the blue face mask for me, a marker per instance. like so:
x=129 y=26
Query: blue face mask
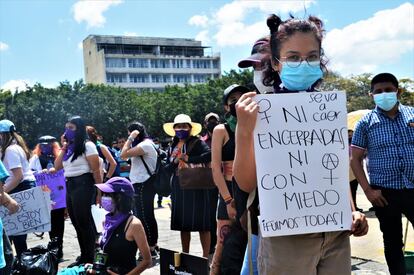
x=386 y=101
x=302 y=77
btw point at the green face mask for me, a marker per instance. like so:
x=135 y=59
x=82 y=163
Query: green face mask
x=232 y=122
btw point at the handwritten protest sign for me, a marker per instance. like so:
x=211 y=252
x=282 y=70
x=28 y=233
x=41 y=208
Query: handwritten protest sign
x=301 y=148
x=56 y=183
x=33 y=212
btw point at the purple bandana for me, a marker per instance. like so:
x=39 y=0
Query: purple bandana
x=112 y=221
x=69 y=151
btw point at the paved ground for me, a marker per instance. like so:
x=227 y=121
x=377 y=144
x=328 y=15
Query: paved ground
x=367 y=251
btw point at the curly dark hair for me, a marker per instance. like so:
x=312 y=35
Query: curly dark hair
x=280 y=31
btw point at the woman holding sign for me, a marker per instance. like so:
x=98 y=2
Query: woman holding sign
x=297 y=64
x=15 y=156
x=80 y=161
x=42 y=161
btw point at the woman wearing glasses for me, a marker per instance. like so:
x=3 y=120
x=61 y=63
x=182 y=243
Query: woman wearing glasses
x=297 y=65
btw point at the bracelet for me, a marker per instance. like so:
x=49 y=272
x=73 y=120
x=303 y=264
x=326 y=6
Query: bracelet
x=131 y=139
x=229 y=201
x=227 y=198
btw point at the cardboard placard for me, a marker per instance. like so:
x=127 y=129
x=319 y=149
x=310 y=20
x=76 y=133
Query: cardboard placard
x=57 y=185
x=188 y=264
x=33 y=212
x=302 y=162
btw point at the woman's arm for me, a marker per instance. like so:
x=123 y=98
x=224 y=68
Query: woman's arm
x=244 y=166
x=137 y=231
x=218 y=138
x=7 y=201
x=93 y=161
x=110 y=159
x=59 y=160
x=16 y=178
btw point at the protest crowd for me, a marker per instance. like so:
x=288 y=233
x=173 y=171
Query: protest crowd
x=214 y=180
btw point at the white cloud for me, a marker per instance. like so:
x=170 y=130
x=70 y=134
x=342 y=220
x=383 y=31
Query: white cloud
x=368 y=44
x=229 y=24
x=3 y=46
x=91 y=11
x=130 y=34
x=203 y=37
x=80 y=46
x=198 y=21
x=16 y=84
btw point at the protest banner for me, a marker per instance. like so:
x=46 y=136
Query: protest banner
x=173 y=262
x=57 y=185
x=33 y=212
x=302 y=162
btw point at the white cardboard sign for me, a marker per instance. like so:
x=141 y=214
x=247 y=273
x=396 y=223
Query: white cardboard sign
x=34 y=212
x=301 y=149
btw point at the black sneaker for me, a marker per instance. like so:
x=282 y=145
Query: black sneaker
x=154 y=254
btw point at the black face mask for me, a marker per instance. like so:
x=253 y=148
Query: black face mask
x=211 y=125
x=233 y=109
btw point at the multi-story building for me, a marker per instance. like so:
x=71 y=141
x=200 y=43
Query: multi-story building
x=147 y=62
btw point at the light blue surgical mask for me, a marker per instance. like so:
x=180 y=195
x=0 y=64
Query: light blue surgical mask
x=302 y=77
x=386 y=101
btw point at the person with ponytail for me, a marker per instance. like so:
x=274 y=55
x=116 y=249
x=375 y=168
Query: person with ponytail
x=141 y=150
x=80 y=161
x=297 y=65
x=15 y=156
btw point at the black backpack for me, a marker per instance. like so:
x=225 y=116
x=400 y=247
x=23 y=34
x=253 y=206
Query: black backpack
x=161 y=178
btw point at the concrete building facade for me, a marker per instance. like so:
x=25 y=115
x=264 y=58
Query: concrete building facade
x=142 y=63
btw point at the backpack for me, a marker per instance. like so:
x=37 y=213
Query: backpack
x=113 y=154
x=161 y=176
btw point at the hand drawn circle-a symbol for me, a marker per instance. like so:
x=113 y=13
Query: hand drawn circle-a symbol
x=330 y=161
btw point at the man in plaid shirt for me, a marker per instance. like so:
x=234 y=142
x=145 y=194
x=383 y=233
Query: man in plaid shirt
x=386 y=134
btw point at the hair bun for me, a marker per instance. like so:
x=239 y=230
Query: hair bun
x=273 y=22
x=318 y=22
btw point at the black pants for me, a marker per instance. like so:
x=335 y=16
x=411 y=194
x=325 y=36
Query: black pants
x=57 y=225
x=399 y=202
x=79 y=198
x=144 y=209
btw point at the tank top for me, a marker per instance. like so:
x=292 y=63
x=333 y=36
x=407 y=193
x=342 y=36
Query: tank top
x=125 y=261
x=229 y=148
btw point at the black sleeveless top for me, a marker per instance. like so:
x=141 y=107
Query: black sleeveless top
x=121 y=252
x=229 y=148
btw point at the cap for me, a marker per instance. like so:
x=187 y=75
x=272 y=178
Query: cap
x=258 y=53
x=384 y=77
x=233 y=88
x=117 y=185
x=6 y=126
x=210 y=115
x=46 y=139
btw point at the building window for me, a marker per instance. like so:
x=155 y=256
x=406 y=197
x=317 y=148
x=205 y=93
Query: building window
x=116 y=78
x=160 y=63
x=181 y=78
x=161 y=78
x=178 y=63
x=215 y=64
x=201 y=64
x=115 y=62
x=137 y=63
x=138 y=78
x=201 y=78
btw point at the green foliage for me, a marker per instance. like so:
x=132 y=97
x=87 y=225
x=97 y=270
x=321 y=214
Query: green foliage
x=39 y=110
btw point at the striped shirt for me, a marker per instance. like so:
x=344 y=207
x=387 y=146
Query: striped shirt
x=390 y=147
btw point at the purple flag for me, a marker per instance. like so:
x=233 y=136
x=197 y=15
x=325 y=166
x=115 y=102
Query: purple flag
x=56 y=184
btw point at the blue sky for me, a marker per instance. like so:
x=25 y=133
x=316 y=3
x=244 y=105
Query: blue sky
x=40 y=40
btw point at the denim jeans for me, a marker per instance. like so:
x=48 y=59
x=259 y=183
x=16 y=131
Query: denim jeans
x=245 y=268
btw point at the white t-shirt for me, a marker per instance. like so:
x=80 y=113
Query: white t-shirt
x=138 y=171
x=80 y=165
x=14 y=157
x=34 y=163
